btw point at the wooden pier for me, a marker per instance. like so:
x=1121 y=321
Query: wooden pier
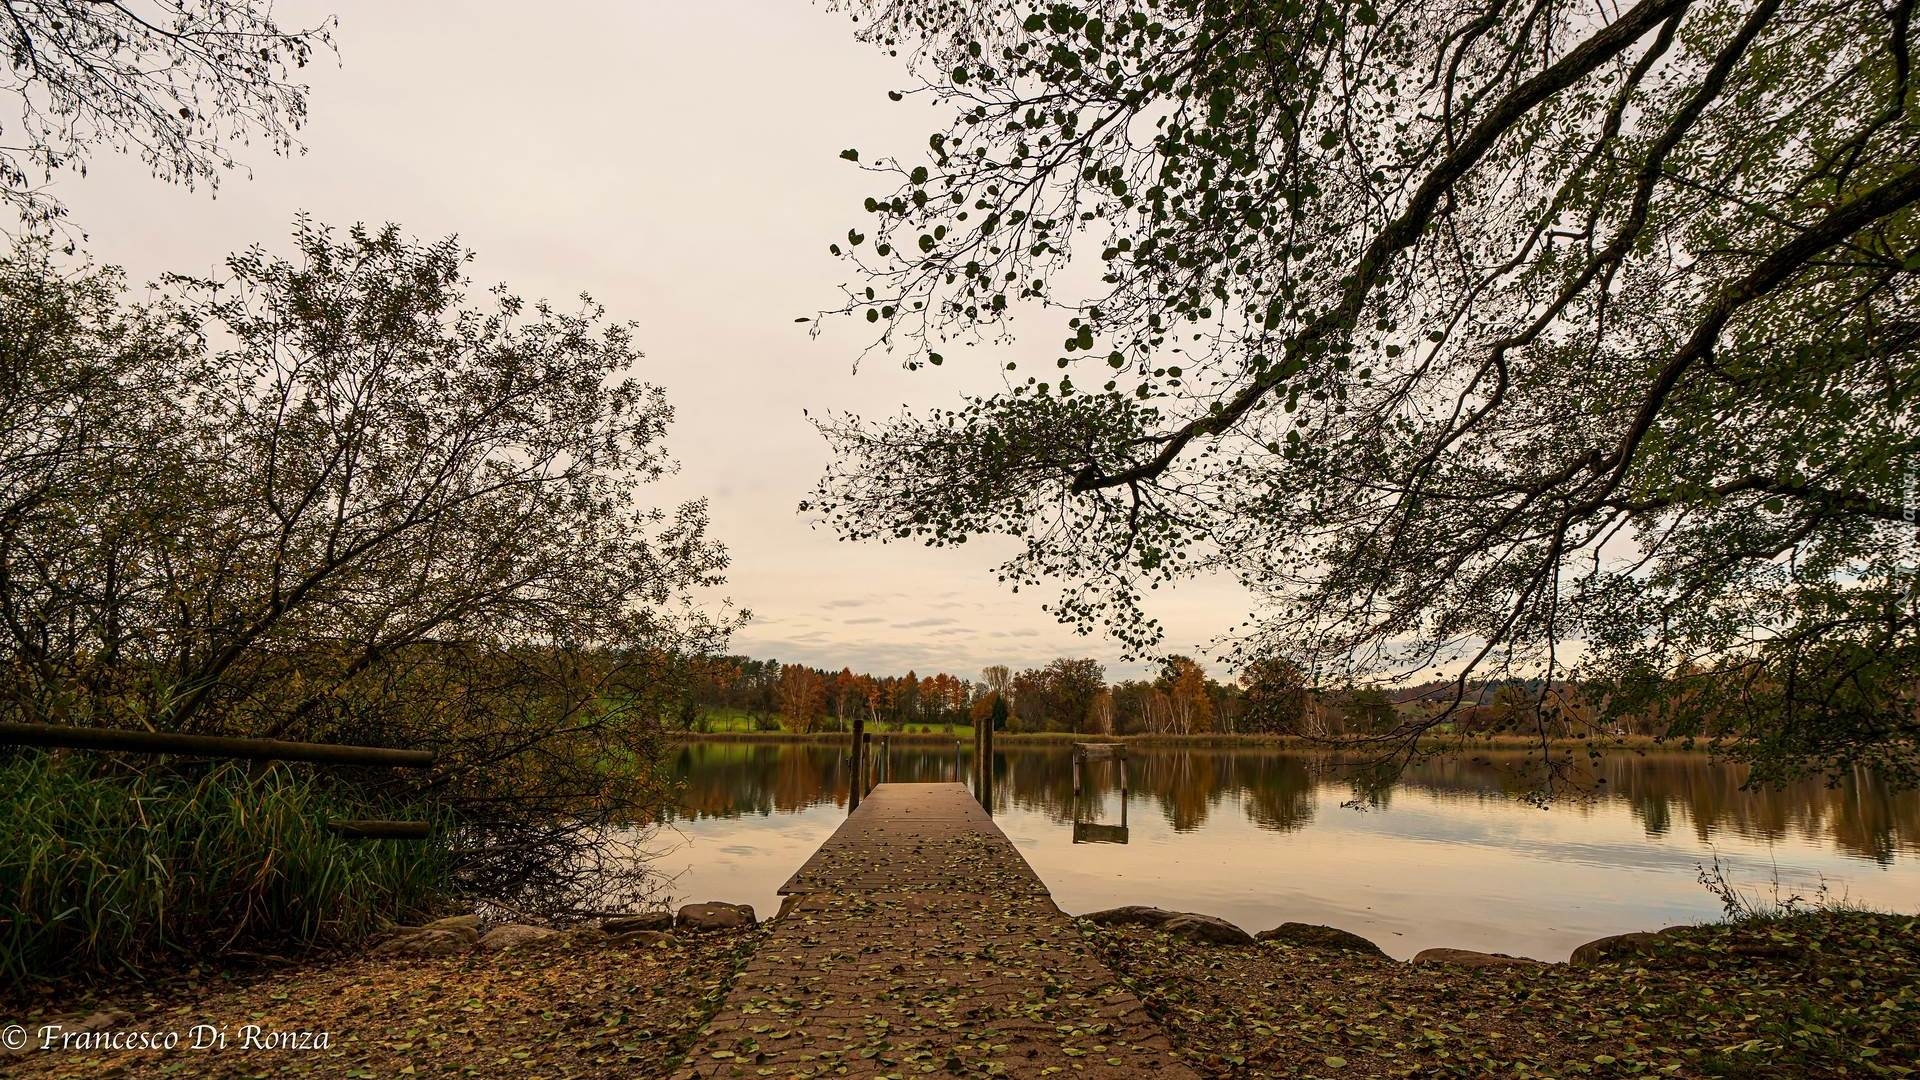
x=915 y=941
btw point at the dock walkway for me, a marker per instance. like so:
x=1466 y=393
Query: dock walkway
x=917 y=941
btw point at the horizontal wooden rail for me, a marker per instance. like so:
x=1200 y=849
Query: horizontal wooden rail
x=167 y=742
x=380 y=830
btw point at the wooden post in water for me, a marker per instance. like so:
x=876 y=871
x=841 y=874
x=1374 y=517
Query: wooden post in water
x=853 y=774
x=1123 y=787
x=979 y=737
x=886 y=758
x=986 y=769
x=956 y=762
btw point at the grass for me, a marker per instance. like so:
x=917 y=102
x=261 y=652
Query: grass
x=715 y=720
x=109 y=871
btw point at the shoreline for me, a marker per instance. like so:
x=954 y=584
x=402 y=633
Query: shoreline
x=1827 y=992
x=1214 y=740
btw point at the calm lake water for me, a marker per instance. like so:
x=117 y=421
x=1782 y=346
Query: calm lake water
x=1448 y=857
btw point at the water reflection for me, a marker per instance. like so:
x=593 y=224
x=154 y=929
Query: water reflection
x=1448 y=856
x=1283 y=790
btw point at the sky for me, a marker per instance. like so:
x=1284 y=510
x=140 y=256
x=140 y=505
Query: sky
x=680 y=162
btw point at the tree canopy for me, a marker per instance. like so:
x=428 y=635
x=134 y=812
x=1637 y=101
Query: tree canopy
x=174 y=82
x=1488 y=335
x=334 y=497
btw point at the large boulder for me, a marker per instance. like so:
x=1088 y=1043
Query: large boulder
x=714 y=915
x=1131 y=915
x=513 y=936
x=467 y=926
x=644 y=920
x=1469 y=958
x=1613 y=947
x=424 y=941
x=642 y=937
x=1319 y=937
x=1206 y=928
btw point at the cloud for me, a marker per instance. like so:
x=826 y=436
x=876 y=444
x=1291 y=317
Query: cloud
x=931 y=620
x=862 y=619
x=847 y=602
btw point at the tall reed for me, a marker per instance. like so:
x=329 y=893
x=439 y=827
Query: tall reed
x=105 y=868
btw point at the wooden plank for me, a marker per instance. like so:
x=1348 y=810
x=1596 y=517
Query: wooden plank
x=918 y=940
x=218 y=746
x=1086 y=832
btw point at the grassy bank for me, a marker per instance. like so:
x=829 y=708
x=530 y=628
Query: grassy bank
x=1828 y=994
x=935 y=734
x=107 y=870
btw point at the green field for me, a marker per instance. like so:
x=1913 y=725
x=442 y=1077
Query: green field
x=716 y=720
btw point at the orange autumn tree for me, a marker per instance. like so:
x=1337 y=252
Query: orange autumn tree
x=803 y=695
x=1190 y=709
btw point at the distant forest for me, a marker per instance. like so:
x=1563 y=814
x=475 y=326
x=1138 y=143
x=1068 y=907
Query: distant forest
x=1072 y=695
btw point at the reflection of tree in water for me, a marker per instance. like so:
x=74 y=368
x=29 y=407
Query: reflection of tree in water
x=731 y=779
x=1193 y=783
x=1859 y=815
x=1280 y=789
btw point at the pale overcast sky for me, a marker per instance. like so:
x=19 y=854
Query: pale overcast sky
x=681 y=163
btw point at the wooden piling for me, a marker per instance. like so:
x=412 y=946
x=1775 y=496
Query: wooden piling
x=854 y=774
x=986 y=769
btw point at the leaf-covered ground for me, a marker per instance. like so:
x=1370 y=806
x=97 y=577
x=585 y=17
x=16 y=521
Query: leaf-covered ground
x=1823 y=995
x=579 y=1007
x=1828 y=995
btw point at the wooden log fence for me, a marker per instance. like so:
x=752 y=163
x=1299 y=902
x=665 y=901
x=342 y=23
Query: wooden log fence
x=134 y=741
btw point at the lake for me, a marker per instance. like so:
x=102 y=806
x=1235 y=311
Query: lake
x=1448 y=857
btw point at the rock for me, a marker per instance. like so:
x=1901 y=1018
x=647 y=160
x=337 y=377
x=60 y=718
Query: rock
x=1130 y=915
x=1206 y=928
x=642 y=937
x=714 y=915
x=1469 y=958
x=645 y=920
x=1613 y=947
x=467 y=926
x=1321 y=937
x=425 y=941
x=514 y=935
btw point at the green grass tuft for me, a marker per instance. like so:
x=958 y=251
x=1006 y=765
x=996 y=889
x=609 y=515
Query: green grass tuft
x=110 y=870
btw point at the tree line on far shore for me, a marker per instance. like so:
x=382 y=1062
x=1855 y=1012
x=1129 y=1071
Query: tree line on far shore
x=1072 y=695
